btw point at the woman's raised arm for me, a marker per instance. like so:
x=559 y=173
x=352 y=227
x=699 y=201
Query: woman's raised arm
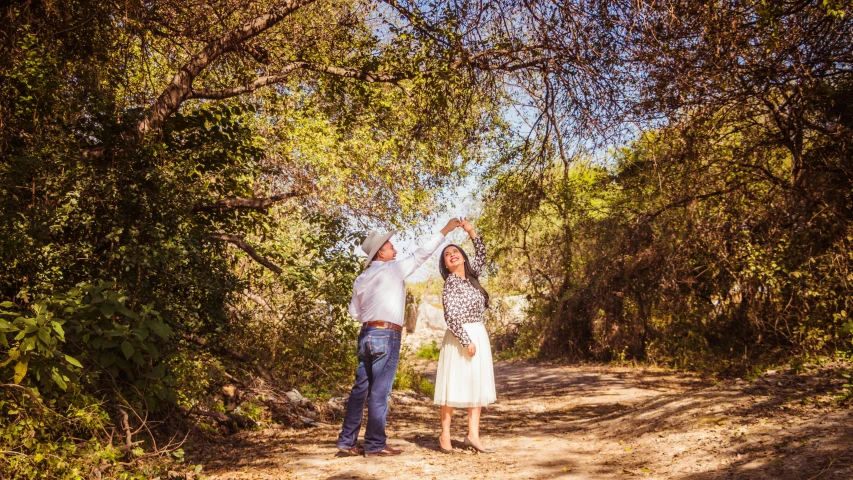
x=479 y=248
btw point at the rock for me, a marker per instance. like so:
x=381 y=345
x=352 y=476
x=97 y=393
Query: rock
x=308 y=421
x=429 y=327
x=296 y=398
x=770 y=372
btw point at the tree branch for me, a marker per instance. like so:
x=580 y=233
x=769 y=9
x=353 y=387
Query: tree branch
x=430 y=30
x=180 y=88
x=259 y=53
x=266 y=80
x=356 y=73
x=238 y=241
x=246 y=87
x=260 y=204
x=231 y=420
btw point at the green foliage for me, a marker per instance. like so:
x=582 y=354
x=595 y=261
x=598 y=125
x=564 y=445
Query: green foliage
x=520 y=341
x=299 y=319
x=196 y=374
x=410 y=378
x=425 y=387
x=49 y=344
x=252 y=410
x=430 y=351
x=59 y=438
x=115 y=278
x=679 y=254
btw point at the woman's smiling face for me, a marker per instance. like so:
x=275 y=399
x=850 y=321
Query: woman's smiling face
x=453 y=258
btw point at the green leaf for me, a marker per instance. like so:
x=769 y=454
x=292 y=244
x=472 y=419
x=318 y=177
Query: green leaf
x=142 y=333
x=107 y=359
x=57 y=378
x=21 y=368
x=157 y=372
x=28 y=344
x=57 y=327
x=160 y=328
x=127 y=349
x=73 y=361
x=119 y=331
x=44 y=335
x=7 y=304
x=108 y=308
x=126 y=312
x=152 y=350
x=138 y=358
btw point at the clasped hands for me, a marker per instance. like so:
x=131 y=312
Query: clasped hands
x=454 y=223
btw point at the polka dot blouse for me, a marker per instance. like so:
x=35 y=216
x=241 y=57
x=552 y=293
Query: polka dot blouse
x=463 y=302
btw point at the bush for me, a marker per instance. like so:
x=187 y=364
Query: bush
x=429 y=351
x=410 y=379
x=61 y=438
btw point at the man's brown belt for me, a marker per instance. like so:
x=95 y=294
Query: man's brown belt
x=382 y=324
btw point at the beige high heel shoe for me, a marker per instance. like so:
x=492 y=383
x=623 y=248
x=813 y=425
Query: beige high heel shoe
x=469 y=444
x=448 y=451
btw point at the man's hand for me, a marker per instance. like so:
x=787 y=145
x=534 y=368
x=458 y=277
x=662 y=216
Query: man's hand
x=472 y=349
x=451 y=226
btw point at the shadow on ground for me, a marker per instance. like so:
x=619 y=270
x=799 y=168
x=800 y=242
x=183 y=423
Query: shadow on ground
x=594 y=422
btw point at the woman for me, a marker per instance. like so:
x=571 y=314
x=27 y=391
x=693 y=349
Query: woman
x=465 y=377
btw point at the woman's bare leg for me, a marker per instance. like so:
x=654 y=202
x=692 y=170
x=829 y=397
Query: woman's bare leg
x=446 y=417
x=474 y=426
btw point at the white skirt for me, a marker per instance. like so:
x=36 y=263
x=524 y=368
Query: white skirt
x=462 y=381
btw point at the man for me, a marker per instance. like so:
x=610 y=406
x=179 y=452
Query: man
x=379 y=303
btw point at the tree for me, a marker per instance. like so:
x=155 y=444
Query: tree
x=162 y=161
x=728 y=238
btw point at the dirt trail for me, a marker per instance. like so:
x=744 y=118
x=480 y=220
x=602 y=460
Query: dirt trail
x=567 y=422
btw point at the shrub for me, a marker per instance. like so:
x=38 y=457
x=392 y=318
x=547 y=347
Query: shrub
x=429 y=351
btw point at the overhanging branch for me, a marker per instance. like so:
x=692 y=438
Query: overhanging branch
x=248 y=86
x=240 y=243
x=355 y=73
x=284 y=71
x=260 y=204
x=180 y=87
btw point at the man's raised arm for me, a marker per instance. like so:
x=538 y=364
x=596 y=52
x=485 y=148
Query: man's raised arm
x=407 y=266
x=354 y=308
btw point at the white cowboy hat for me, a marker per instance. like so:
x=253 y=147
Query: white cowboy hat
x=373 y=243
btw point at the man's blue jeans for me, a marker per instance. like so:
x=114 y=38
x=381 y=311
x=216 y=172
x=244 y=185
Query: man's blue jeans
x=378 y=356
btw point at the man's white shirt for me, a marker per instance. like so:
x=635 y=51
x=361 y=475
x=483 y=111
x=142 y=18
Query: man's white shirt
x=379 y=293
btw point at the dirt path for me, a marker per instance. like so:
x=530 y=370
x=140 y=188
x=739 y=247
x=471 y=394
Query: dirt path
x=570 y=422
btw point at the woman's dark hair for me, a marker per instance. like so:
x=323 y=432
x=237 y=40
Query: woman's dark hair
x=469 y=272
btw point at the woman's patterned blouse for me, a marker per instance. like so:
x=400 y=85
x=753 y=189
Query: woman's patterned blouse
x=463 y=302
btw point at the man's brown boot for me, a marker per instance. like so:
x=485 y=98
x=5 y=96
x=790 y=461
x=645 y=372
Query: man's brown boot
x=385 y=452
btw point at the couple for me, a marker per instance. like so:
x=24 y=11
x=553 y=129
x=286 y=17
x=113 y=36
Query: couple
x=464 y=378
